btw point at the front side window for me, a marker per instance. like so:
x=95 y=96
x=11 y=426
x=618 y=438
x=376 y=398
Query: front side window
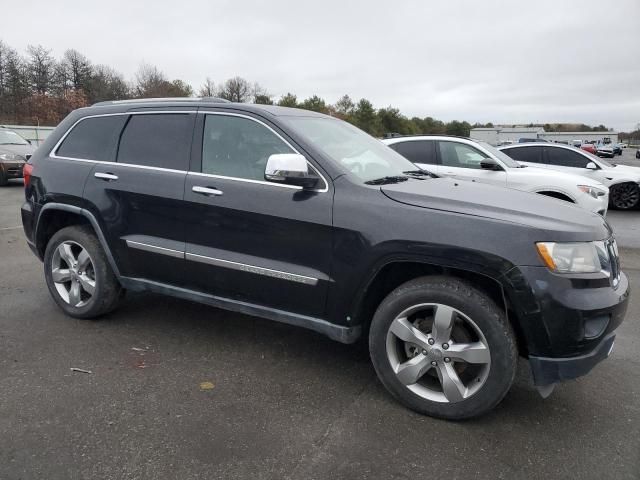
x=453 y=154
x=525 y=154
x=417 y=151
x=238 y=147
x=94 y=138
x=160 y=140
x=566 y=158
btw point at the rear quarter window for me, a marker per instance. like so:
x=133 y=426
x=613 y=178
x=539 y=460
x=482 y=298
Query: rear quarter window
x=94 y=138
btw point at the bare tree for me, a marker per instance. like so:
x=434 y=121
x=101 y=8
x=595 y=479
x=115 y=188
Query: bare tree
x=41 y=67
x=78 y=69
x=150 y=82
x=208 y=89
x=236 y=89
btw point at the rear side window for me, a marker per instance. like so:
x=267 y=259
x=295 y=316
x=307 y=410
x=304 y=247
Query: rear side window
x=525 y=154
x=157 y=140
x=238 y=147
x=93 y=138
x=566 y=158
x=417 y=151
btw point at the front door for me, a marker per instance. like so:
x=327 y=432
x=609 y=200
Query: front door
x=462 y=161
x=248 y=239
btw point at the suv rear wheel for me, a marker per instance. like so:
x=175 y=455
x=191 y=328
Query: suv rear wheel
x=443 y=348
x=78 y=274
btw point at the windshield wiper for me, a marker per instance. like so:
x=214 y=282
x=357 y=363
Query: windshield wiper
x=420 y=173
x=388 y=179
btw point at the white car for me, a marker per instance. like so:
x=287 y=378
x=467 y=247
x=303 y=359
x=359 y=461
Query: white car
x=480 y=162
x=623 y=181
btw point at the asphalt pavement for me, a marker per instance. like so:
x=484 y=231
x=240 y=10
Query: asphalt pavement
x=180 y=390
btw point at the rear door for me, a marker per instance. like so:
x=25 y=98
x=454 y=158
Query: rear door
x=139 y=197
x=248 y=239
x=462 y=161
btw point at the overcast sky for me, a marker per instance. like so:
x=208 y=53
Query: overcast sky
x=480 y=61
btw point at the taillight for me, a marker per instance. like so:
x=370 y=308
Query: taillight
x=26 y=173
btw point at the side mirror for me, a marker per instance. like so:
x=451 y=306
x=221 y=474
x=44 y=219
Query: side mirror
x=591 y=166
x=490 y=164
x=291 y=169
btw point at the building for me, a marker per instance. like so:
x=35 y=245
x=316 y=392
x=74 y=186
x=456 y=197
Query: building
x=500 y=135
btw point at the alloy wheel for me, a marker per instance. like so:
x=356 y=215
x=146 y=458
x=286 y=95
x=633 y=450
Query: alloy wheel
x=438 y=352
x=73 y=273
x=625 y=196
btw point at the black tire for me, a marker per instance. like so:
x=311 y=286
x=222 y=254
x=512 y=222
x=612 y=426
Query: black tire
x=624 y=196
x=490 y=319
x=3 y=179
x=108 y=290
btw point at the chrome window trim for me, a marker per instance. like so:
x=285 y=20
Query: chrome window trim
x=248 y=180
x=53 y=154
x=244 y=267
x=155 y=249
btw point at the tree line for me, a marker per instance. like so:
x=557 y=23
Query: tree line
x=37 y=88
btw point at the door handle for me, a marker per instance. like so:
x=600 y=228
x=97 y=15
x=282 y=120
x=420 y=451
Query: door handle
x=106 y=176
x=209 y=191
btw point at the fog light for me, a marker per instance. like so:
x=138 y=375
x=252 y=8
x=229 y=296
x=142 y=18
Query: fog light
x=593 y=327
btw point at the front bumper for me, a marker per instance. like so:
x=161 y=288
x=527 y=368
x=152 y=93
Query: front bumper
x=12 y=169
x=547 y=371
x=566 y=323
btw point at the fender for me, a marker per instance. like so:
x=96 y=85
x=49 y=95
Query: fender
x=92 y=220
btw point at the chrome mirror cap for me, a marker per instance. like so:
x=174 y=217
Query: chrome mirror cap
x=291 y=168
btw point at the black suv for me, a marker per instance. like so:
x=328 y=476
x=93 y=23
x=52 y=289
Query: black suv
x=304 y=219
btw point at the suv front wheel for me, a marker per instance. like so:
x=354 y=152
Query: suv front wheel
x=443 y=348
x=78 y=274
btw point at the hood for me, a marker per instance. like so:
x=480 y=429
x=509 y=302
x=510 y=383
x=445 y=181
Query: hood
x=562 y=221
x=22 y=150
x=626 y=169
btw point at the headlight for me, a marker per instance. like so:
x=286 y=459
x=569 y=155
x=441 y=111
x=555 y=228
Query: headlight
x=9 y=157
x=583 y=257
x=593 y=191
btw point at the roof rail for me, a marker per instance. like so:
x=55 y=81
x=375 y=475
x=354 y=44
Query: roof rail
x=162 y=100
x=397 y=135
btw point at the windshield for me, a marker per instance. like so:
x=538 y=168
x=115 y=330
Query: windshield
x=357 y=151
x=7 y=137
x=503 y=157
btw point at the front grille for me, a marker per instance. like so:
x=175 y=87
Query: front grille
x=614 y=261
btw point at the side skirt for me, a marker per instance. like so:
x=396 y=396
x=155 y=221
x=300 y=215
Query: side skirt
x=335 y=332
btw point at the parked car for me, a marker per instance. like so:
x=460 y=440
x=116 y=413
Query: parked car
x=637 y=153
x=623 y=181
x=304 y=219
x=617 y=149
x=604 y=150
x=527 y=140
x=589 y=147
x=14 y=152
x=467 y=159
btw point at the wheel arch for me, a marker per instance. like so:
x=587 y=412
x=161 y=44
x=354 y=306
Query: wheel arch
x=396 y=272
x=556 y=194
x=55 y=216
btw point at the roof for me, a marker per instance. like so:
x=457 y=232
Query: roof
x=210 y=102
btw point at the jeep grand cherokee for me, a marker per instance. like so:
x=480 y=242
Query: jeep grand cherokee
x=304 y=219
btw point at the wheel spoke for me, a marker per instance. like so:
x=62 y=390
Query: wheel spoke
x=66 y=254
x=74 y=294
x=442 y=323
x=452 y=386
x=61 y=275
x=405 y=331
x=475 y=352
x=87 y=284
x=83 y=259
x=413 y=369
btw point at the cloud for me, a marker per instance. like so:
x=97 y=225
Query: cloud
x=499 y=61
